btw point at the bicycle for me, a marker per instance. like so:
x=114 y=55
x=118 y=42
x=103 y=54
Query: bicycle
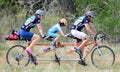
x=101 y=56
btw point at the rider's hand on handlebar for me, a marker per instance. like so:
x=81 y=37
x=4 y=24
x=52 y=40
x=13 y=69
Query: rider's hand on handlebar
x=44 y=37
x=66 y=35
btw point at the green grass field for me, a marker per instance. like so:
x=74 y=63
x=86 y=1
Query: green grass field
x=51 y=66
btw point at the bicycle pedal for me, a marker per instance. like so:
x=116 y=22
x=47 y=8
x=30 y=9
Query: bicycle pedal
x=57 y=59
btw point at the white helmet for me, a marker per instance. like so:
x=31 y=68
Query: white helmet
x=40 y=12
x=90 y=13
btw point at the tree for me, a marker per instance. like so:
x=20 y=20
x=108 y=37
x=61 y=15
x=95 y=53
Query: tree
x=67 y=6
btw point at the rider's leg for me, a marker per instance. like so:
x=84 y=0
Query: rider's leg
x=55 y=41
x=29 y=49
x=78 y=42
x=85 y=40
x=80 y=35
x=34 y=40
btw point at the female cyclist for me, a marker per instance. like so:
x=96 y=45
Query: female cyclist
x=25 y=33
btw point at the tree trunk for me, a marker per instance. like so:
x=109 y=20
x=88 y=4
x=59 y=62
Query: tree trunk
x=67 y=6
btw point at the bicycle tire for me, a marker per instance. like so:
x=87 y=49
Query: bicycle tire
x=104 y=58
x=17 y=56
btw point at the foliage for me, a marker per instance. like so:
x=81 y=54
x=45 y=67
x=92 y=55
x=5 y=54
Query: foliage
x=5 y=3
x=8 y=7
x=106 y=21
x=107 y=14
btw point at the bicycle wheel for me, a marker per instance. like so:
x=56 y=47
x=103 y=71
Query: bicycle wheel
x=17 y=56
x=102 y=57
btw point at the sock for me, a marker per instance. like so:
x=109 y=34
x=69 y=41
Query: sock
x=29 y=51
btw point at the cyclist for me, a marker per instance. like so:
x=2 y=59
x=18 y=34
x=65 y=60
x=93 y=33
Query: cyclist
x=53 y=31
x=83 y=21
x=25 y=33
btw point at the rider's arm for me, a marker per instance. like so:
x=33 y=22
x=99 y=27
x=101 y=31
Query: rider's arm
x=40 y=29
x=92 y=27
x=89 y=29
x=62 y=33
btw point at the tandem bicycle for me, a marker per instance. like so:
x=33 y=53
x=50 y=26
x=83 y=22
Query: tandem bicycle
x=101 y=56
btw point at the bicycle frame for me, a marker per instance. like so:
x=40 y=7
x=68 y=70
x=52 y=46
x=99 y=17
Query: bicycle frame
x=92 y=42
x=94 y=45
x=18 y=53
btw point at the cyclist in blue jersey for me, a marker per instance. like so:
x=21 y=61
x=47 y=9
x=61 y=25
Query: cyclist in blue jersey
x=53 y=31
x=79 y=24
x=25 y=33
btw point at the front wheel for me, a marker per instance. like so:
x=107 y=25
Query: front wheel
x=17 y=55
x=102 y=57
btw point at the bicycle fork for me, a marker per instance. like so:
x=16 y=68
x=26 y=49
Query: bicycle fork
x=100 y=52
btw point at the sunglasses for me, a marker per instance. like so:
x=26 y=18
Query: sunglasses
x=91 y=17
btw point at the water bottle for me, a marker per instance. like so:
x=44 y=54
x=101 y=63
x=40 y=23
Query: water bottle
x=46 y=49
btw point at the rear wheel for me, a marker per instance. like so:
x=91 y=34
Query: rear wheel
x=103 y=57
x=17 y=56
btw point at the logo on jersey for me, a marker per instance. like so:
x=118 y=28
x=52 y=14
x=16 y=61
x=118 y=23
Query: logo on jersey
x=86 y=21
x=38 y=20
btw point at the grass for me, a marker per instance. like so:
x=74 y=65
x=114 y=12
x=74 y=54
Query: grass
x=51 y=66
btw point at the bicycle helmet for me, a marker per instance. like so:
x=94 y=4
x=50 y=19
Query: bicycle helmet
x=63 y=20
x=40 y=12
x=90 y=13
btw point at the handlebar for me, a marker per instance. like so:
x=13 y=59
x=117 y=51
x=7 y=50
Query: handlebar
x=100 y=38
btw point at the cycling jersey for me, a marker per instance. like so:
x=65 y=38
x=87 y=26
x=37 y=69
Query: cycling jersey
x=55 y=29
x=30 y=23
x=80 y=22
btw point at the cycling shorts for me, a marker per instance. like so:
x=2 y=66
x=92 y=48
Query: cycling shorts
x=26 y=35
x=78 y=34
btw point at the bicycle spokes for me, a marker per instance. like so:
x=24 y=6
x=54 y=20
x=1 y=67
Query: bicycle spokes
x=103 y=57
x=18 y=57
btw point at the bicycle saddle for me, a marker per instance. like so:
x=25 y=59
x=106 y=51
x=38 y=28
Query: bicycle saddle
x=71 y=36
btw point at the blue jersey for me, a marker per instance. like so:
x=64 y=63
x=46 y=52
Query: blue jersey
x=56 y=28
x=80 y=22
x=30 y=23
